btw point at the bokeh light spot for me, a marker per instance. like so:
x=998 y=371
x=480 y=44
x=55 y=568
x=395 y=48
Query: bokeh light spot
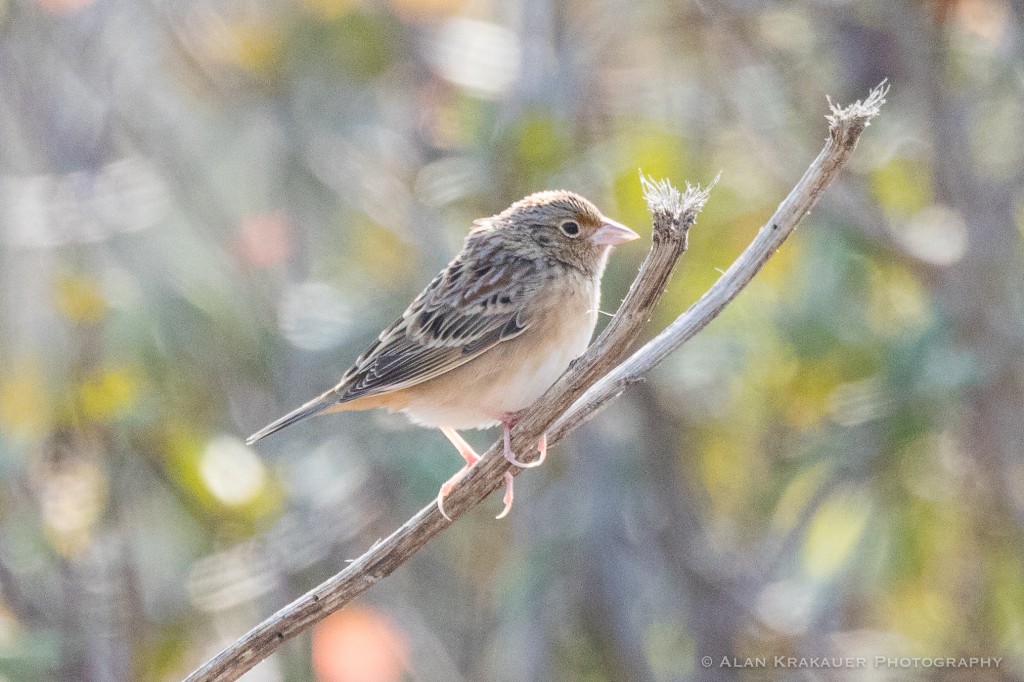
x=936 y=234
x=477 y=55
x=72 y=497
x=232 y=472
x=313 y=316
x=265 y=240
x=358 y=645
x=987 y=19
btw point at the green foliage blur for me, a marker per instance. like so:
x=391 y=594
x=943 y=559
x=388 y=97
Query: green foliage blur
x=209 y=209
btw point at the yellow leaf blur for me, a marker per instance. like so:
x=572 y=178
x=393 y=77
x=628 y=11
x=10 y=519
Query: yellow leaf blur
x=251 y=45
x=79 y=298
x=922 y=613
x=897 y=303
x=24 y=408
x=654 y=152
x=1007 y=575
x=108 y=394
x=798 y=494
x=836 y=529
x=381 y=253
x=726 y=472
x=809 y=392
x=902 y=186
x=328 y=9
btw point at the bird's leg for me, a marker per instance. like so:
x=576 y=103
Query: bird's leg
x=507 y=423
x=468 y=454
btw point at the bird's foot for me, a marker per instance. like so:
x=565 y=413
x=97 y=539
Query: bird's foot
x=542 y=447
x=471 y=458
x=447 y=487
x=509 y=495
x=468 y=454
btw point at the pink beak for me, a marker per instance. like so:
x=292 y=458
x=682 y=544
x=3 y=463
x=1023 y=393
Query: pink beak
x=611 y=233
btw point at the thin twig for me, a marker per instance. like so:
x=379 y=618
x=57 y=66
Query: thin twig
x=845 y=127
x=585 y=388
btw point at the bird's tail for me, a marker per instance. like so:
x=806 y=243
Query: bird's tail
x=314 y=406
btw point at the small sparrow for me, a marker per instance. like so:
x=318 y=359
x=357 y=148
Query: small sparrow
x=491 y=332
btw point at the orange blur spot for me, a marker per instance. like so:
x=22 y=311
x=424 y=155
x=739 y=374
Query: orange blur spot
x=359 y=645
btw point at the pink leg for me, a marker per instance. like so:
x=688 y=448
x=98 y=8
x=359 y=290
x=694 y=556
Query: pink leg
x=464 y=448
x=542 y=447
x=468 y=454
x=507 y=499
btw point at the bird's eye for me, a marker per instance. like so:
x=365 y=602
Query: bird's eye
x=570 y=228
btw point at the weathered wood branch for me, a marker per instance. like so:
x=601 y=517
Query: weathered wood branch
x=590 y=383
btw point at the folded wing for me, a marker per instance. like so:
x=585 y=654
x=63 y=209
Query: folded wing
x=464 y=312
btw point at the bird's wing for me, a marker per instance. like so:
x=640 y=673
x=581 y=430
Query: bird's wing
x=465 y=311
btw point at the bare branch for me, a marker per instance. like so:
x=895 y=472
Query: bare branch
x=591 y=382
x=845 y=127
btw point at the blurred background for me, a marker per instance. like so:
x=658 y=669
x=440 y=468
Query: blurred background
x=208 y=209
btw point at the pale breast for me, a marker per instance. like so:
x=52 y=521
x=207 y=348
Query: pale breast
x=513 y=374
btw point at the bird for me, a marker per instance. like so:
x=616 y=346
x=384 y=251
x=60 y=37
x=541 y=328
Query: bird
x=491 y=332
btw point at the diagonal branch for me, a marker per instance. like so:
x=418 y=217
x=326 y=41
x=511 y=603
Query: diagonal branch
x=594 y=380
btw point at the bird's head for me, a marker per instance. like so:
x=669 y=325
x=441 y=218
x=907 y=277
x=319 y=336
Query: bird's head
x=560 y=225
